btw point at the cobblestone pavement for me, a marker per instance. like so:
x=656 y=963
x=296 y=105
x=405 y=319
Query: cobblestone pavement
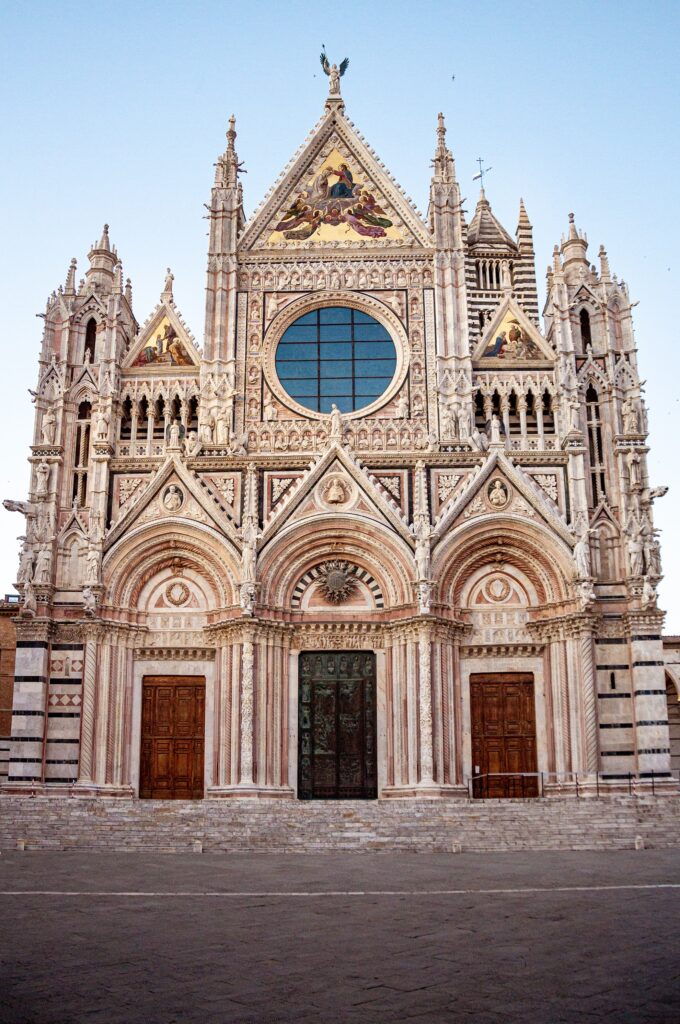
x=155 y=939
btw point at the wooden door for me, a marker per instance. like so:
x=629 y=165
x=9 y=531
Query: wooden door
x=337 y=726
x=173 y=728
x=503 y=735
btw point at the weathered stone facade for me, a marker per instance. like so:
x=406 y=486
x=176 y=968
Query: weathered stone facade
x=489 y=512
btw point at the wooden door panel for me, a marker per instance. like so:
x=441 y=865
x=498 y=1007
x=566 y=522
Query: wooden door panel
x=503 y=717
x=173 y=724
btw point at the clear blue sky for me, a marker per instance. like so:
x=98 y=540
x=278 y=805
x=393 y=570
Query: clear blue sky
x=116 y=111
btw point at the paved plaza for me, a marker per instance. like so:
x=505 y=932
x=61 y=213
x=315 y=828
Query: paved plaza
x=263 y=939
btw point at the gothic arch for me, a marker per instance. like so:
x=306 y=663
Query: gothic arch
x=143 y=553
x=374 y=549
x=543 y=562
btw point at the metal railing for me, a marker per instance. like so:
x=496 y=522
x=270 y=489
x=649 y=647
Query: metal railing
x=527 y=785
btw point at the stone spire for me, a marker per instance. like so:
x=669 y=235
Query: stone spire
x=70 y=286
x=605 y=273
x=228 y=168
x=574 y=249
x=524 y=233
x=103 y=259
x=444 y=167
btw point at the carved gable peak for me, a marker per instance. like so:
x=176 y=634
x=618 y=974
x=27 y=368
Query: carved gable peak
x=335 y=193
x=498 y=487
x=336 y=482
x=511 y=340
x=164 y=342
x=174 y=492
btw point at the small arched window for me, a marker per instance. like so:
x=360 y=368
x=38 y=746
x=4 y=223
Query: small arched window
x=586 y=336
x=90 y=341
x=595 y=446
x=81 y=455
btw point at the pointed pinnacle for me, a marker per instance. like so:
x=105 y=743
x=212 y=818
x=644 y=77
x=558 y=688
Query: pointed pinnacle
x=573 y=233
x=70 y=287
x=523 y=216
x=104 y=240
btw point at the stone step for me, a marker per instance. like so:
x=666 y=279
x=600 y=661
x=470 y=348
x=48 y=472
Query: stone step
x=320 y=826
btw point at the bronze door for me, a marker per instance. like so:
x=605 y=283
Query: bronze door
x=173 y=727
x=503 y=735
x=337 y=726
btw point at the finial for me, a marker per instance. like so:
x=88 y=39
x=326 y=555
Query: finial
x=441 y=130
x=70 y=287
x=605 y=273
x=118 y=277
x=480 y=176
x=334 y=73
x=167 y=287
x=128 y=291
x=523 y=216
x=231 y=134
x=573 y=233
x=104 y=240
x=557 y=263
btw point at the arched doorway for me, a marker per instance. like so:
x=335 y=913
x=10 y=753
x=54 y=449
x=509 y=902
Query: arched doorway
x=673 y=702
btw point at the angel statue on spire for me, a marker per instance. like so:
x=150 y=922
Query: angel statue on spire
x=334 y=72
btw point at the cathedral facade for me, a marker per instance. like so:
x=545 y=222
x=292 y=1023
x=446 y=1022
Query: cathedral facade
x=384 y=535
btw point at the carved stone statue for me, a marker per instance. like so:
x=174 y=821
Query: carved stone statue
x=636 y=550
x=173 y=435
x=48 y=427
x=249 y=550
x=629 y=413
x=92 y=566
x=25 y=571
x=648 y=598
x=495 y=429
x=335 y=493
x=269 y=411
x=239 y=445
x=336 y=426
x=101 y=428
x=464 y=424
x=205 y=429
x=424 y=589
x=401 y=407
x=43 y=564
x=247 y=594
x=89 y=601
x=42 y=479
x=192 y=445
x=582 y=553
x=635 y=476
x=173 y=498
x=448 y=421
x=29 y=605
x=222 y=427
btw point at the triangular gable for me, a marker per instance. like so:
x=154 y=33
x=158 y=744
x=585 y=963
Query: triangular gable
x=517 y=495
x=84 y=379
x=155 y=503
x=512 y=340
x=163 y=343
x=335 y=191
x=73 y=524
x=334 y=464
x=585 y=294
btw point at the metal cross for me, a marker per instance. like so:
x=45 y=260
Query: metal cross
x=482 y=171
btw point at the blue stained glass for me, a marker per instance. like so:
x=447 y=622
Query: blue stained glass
x=336 y=315
x=336 y=368
x=336 y=355
x=297 y=332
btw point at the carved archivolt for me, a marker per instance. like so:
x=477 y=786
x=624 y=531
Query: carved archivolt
x=373 y=549
x=140 y=557
x=542 y=561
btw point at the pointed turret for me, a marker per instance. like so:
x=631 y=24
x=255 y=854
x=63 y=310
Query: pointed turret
x=574 y=250
x=485 y=231
x=524 y=233
x=443 y=163
x=103 y=259
x=70 y=286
